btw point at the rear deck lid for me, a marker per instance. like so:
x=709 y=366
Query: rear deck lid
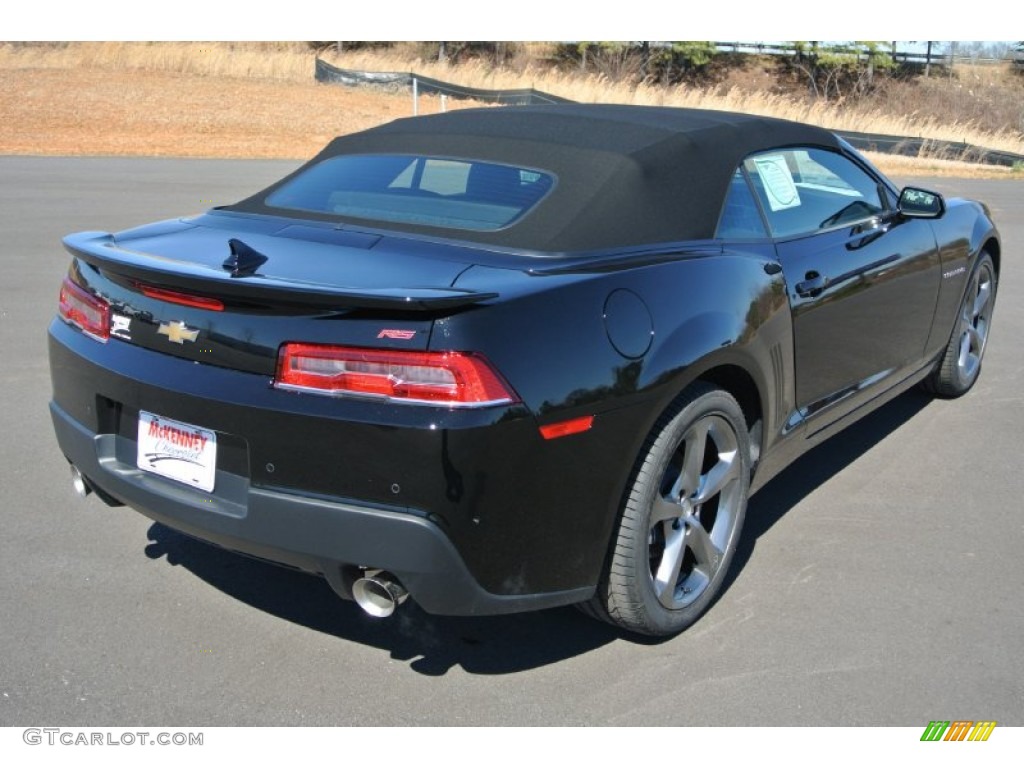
x=231 y=295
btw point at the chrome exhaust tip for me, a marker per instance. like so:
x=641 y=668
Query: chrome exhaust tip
x=378 y=593
x=79 y=483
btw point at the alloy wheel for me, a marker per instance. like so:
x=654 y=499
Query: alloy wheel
x=695 y=513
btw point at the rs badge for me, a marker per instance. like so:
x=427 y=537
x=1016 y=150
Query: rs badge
x=178 y=332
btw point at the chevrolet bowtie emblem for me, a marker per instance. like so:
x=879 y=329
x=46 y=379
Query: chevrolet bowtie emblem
x=177 y=332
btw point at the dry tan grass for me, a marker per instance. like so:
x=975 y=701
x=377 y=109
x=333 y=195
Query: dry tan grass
x=101 y=112
x=899 y=166
x=598 y=89
x=259 y=100
x=291 y=62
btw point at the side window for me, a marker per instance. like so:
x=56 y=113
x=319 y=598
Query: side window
x=740 y=219
x=807 y=190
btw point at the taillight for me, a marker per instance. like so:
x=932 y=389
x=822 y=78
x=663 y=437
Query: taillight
x=88 y=312
x=457 y=379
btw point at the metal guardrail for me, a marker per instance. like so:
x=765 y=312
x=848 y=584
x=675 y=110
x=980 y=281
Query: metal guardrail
x=910 y=146
x=327 y=73
x=781 y=49
x=936 y=58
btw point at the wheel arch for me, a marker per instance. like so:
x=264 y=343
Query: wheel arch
x=741 y=376
x=741 y=384
x=992 y=247
x=984 y=237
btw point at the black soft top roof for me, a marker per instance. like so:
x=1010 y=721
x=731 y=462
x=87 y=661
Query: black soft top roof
x=625 y=175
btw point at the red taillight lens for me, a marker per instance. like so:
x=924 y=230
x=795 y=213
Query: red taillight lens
x=88 y=312
x=437 y=378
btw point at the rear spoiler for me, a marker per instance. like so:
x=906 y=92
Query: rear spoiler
x=101 y=251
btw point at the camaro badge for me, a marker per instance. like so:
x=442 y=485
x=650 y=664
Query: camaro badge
x=177 y=332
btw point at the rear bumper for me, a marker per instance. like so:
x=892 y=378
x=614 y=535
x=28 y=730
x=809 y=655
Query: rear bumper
x=462 y=507
x=329 y=537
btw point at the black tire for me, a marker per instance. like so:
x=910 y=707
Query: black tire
x=665 y=569
x=960 y=365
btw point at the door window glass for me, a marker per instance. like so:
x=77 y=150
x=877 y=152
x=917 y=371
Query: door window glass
x=808 y=190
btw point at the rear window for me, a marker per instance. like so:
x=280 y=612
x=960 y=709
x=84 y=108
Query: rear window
x=433 y=191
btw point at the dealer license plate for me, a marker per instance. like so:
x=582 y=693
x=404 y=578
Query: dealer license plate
x=182 y=452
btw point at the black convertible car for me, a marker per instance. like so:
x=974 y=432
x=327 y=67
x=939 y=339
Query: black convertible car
x=504 y=359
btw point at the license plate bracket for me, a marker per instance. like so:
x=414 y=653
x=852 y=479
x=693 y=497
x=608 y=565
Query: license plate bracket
x=176 y=450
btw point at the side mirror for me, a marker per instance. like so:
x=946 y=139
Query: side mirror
x=917 y=203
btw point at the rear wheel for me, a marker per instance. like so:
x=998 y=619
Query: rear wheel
x=682 y=518
x=961 y=362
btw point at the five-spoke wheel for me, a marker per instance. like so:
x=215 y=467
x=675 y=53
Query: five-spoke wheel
x=961 y=363
x=695 y=511
x=682 y=518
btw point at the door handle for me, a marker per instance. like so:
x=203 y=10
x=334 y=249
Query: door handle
x=812 y=285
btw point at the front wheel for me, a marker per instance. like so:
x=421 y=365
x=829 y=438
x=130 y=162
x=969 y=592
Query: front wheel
x=961 y=362
x=682 y=518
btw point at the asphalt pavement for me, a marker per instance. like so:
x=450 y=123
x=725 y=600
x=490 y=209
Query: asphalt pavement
x=879 y=581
